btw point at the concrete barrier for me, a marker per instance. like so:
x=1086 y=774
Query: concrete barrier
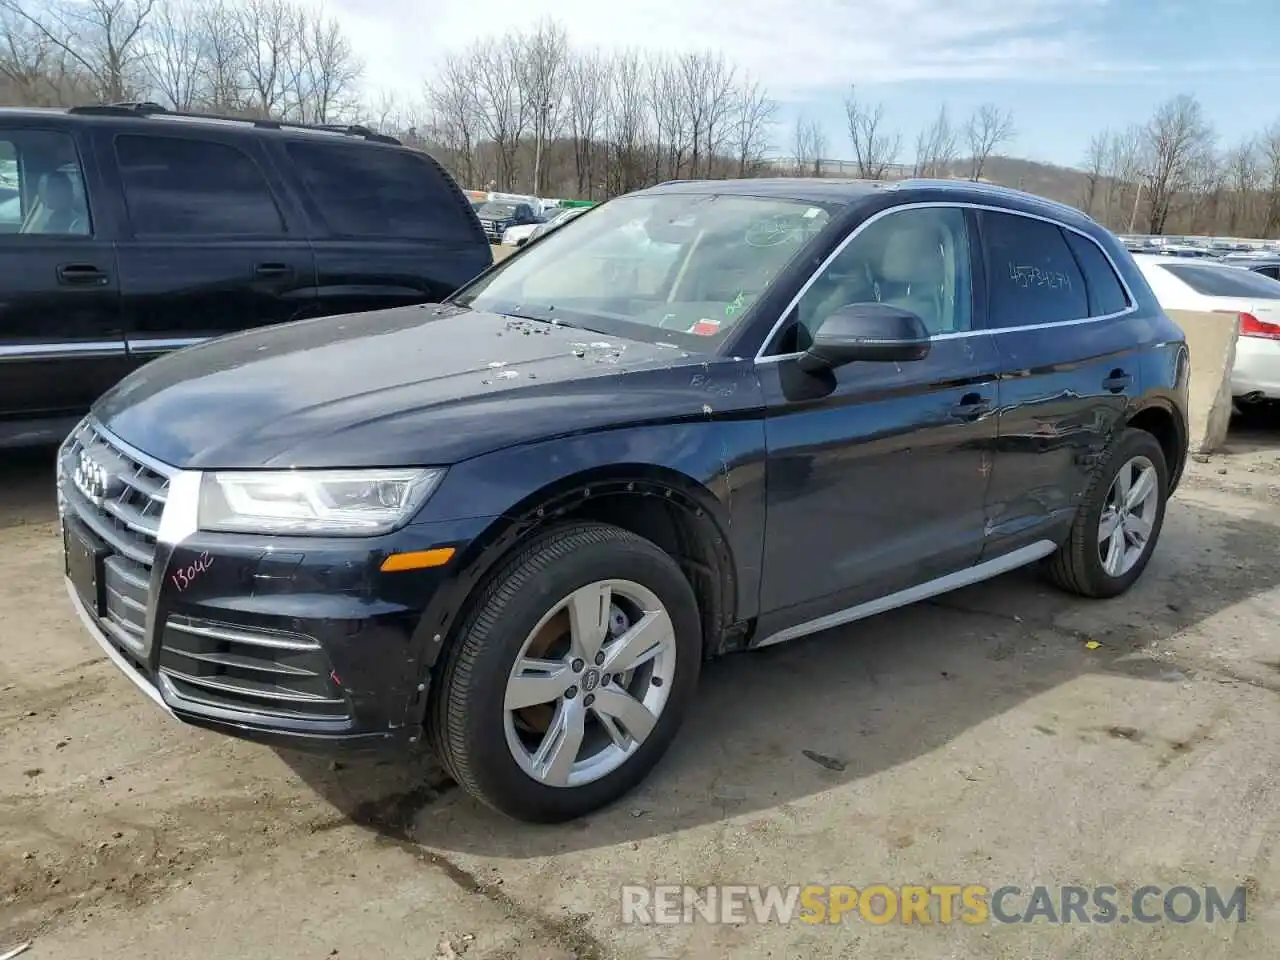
x=1211 y=338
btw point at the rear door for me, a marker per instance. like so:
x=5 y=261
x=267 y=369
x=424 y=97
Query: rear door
x=211 y=248
x=61 y=343
x=393 y=229
x=1068 y=335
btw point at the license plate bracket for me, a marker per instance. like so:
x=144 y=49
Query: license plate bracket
x=84 y=565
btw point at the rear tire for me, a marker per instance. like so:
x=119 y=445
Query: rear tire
x=509 y=748
x=1092 y=563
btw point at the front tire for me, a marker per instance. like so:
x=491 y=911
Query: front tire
x=570 y=676
x=1118 y=522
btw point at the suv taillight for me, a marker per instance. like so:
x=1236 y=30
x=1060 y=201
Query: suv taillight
x=1251 y=326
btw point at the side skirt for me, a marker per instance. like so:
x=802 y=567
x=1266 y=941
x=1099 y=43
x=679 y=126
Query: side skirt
x=945 y=584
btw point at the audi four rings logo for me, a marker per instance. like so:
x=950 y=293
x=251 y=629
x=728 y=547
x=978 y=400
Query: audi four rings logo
x=92 y=478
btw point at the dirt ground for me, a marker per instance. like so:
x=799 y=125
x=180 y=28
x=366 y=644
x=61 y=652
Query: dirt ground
x=981 y=738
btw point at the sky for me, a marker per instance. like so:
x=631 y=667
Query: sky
x=1065 y=68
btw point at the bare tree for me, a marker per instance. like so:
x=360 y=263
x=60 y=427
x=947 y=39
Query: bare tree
x=1174 y=139
x=176 y=53
x=268 y=35
x=987 y=129
x=104 y=37
x=665 y=98
x=809 y=144
x=502 y=113
x=753 y=118
x=1123 y=187
x=221 y=70
x=936 y=147
x=544 y=61
x=706 y=85
x=455 y=115
x=875 y=148
x=588 y=96
x=1269 y=147
x=1095 y=162
x=1242 y=178
x=33 y=70
x=626 y=123
x=327 y=70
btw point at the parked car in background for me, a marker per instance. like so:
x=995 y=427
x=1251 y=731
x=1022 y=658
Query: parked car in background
x=499 y=216
x=1266 y=264
x=135 y=231
x=1221 y=287
x=520 y=235
x=710 y=417
x=556 y=222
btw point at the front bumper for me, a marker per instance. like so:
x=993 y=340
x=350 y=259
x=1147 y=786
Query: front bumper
x=300 y=642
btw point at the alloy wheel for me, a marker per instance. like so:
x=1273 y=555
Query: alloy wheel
x=590 y=682
x=1128 y=516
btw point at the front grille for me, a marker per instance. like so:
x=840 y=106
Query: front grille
x=124 y=514
x=234 y=667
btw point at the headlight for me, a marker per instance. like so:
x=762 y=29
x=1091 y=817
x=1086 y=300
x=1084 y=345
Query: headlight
x=313 y=502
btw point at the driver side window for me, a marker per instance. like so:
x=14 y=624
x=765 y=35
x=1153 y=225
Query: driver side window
x=916 y=259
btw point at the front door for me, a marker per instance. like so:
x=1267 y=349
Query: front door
x=877 y=472
x=210 y=249
x=1068 y=338
x=61 y=344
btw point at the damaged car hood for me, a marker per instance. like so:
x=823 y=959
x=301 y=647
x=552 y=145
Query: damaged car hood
x=414 y=385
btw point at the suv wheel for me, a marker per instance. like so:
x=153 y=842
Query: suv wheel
x=1118 y=523
x=571 y=675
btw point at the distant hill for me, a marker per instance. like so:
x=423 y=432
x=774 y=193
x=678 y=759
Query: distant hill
x=1063 y=184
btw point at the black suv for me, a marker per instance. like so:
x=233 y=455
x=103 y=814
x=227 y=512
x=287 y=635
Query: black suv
x=127 y=231
x=708 y=417
x=498 y=216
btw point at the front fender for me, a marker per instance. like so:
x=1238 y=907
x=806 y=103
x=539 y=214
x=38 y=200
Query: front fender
x=716 y=466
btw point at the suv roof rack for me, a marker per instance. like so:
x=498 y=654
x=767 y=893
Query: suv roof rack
x=147 y=108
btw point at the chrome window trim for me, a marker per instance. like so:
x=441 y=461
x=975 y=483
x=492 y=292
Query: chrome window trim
x=143 y=345
x=963 y=205
x=61 y=351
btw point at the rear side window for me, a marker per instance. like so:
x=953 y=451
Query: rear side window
x=1106 y=294
x=177 y=186
x=1032 y=276
x=365 y=191
x=1224 y=281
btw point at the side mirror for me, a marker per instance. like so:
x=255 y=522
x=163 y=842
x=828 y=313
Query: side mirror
x=866 y=331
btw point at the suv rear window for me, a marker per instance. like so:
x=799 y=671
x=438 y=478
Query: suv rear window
x=366 y=191
x=1224 y=281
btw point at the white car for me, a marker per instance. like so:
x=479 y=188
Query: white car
x=1183 y=284
x=518 y=236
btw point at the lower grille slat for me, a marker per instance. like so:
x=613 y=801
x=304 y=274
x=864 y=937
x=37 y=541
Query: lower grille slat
x=248 y=688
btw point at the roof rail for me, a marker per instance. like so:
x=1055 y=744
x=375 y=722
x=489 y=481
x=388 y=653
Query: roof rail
x=147 y=108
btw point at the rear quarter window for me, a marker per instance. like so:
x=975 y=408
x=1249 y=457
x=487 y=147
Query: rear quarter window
x=1106 y=292
x=375 y=192
x=1214 y=281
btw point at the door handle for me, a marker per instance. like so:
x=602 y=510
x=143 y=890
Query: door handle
x=273 y=270
x=1118 y=382
x=81 y=275
x=971 y=407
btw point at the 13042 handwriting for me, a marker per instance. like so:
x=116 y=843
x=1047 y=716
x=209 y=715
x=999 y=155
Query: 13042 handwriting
x=183 y=577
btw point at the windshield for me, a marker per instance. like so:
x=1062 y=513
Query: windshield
x=498 y=211
x=1224 y=281
x=659 y=266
